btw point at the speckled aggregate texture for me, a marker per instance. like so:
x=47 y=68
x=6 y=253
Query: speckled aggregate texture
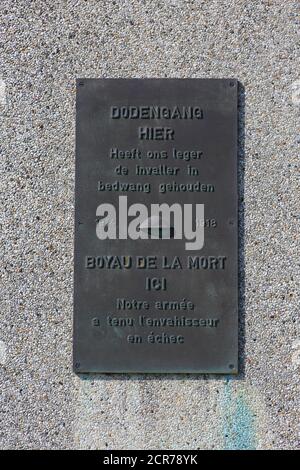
x=45 y=45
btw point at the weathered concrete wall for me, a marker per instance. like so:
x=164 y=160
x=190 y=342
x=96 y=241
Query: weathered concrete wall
x=45 y=45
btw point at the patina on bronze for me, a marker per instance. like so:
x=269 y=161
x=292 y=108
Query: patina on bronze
x=160 y=302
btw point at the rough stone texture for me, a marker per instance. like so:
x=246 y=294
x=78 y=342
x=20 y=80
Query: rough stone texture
x=45 y=45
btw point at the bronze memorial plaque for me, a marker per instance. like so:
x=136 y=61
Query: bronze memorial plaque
x=156 y=224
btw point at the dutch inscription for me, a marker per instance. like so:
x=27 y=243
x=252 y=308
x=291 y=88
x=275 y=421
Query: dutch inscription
x=156 y=226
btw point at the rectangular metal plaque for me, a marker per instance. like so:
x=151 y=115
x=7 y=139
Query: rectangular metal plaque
x=156 y=226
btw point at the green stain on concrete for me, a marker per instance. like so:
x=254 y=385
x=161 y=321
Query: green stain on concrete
x=239 y=421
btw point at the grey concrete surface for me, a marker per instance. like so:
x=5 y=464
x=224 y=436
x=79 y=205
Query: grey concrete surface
x=45 y=45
